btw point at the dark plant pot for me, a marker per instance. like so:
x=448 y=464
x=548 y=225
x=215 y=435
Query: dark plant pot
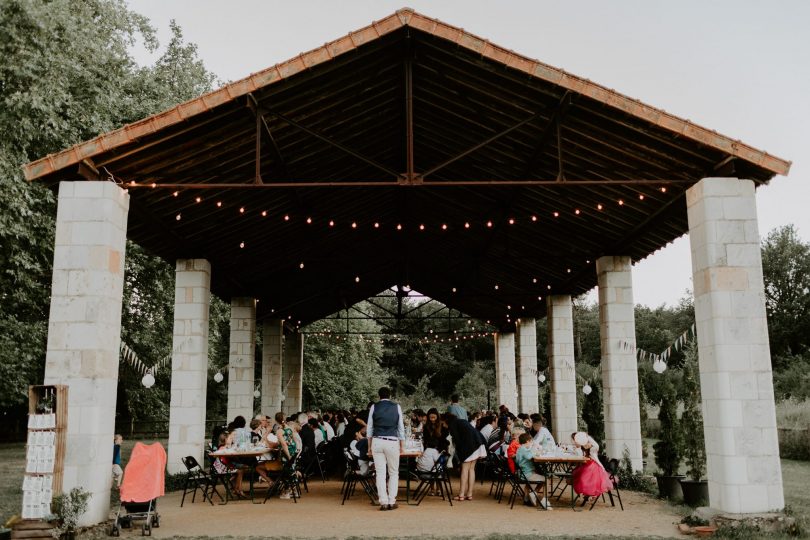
x=695 y=493
x=70 y=535
x=669 y=487
x=5 y=534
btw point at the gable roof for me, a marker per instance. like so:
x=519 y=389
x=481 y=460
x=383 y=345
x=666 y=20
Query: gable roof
x=401 y=134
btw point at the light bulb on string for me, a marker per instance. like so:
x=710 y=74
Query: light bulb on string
x=264 y=213
x=309 y=221
x=176 y=193
x=466 y=224
x=219 y=204
x=148 y=380
x=178 y=217
x=242 y=210
x=286 y=217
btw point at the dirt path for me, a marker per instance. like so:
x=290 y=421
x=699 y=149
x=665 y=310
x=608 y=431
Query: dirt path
x=319 y=514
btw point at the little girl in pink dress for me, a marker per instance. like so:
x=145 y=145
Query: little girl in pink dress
x=590 y=479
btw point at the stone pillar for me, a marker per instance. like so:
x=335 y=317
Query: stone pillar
x=84 y=330
x=739 y=416
x=192 y=296
x=272 y=358
x=505 y=370
x=527 y=365
x=293 y=373
x=241 y=358
x=619 y=368
x=563 y=376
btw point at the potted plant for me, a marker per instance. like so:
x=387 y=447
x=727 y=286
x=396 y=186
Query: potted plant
x=68 y=508
x=669 y=450
x=695 y=490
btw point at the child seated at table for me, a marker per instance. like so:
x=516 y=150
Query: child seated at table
x=359 y=449
x=524 y=459
x=514 y=444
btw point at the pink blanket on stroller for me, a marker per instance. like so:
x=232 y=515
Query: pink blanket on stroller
x=144 y=473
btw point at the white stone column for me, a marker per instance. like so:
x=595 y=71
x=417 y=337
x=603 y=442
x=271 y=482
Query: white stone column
x=192 y=296
x=506 y=383
x=293 y=376
x=739 y=416
x=619 y=367
x=272 y=358
x=84 y=330
x=527 y=365
x=241 y=358
x=560 y=323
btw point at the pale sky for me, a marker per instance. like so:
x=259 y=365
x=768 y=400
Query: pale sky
x=739 y=67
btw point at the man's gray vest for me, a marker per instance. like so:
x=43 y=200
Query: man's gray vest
x=386 y=419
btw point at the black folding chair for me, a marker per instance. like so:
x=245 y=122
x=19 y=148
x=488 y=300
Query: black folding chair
x=286 y=480
x=353 y=476
x=528 y=488
x=500 y=479
x=320 y=460
x=612 y=468
x=196 y=479
x=436 y=480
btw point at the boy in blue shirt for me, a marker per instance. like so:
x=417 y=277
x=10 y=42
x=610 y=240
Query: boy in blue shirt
x=524 y=460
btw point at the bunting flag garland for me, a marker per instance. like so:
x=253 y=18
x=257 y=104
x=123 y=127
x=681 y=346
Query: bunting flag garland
x=659 y=360
x=131 y=357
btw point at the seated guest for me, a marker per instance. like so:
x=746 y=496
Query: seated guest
x=341 y=424
x=589 y=479
x=416 y=421
x=525 y=420
x=307 y=434
x=524 y=460
x=514 y=444
x=427 y=460
x=542 y=436
x=487 y=426
x=318 y=431
x=474 y=419
x=359 y=449
x=326 y=424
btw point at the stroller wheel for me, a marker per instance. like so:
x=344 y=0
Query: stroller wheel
x=115 y=531
x=156 y=521
x=146 y=530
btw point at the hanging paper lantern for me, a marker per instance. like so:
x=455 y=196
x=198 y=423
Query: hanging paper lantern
x=659 y=366
x=148 y=380
x=541 y=378
x=218 y=377
x=587 y=389
x=257 y=394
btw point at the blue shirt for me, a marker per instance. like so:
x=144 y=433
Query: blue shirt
x=116 y=454
x=524 y=459
x=457 y=410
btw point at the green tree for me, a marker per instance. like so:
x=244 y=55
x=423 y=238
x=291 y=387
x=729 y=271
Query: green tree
x=342 y=370
x=692 y=416
x=474 y=387
x=66 y=75
x=786 y=272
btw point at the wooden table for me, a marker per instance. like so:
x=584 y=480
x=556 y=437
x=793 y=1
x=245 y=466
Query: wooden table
x=556 y=462
x=246 y=453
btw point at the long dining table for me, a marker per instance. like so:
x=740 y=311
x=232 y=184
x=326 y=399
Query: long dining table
x=253 y=452
x=555 y=463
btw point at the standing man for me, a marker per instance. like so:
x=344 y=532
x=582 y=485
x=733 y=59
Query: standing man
x=386 y=439
x=455 y=409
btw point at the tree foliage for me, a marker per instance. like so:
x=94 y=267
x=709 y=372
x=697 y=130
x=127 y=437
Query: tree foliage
x=342 y=371
x=66 y=75
x=786 y=272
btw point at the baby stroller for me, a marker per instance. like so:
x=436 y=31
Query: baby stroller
x=143 y=483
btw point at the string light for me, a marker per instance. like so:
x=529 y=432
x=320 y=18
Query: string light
x=178 y=217
x=534 y=218
x=309 y=221
x=241 y=244
x=286 y=217
x=466 y=224
x=264 y=213
x=576 y=211
x=641 y=197
x=421 y=227
x=598 y=206
x=399 y=226
x=176 y=193
x=444 y=226
x=376 y=225
x=331 y=223
x=489 y=224
x=198 y=199
x=242 y=210
x=663 y=190
x=621 y=202
x=556 y=214
x=354 y=224
x=357 y=279
x=219 y=204
x=511 y=221
x=301 y=266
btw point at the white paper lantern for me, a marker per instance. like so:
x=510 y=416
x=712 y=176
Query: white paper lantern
x=659 y=366
x=541 y=378
x=218 y=377
x=257 y=394
x=148 y=380
x=587 y=389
